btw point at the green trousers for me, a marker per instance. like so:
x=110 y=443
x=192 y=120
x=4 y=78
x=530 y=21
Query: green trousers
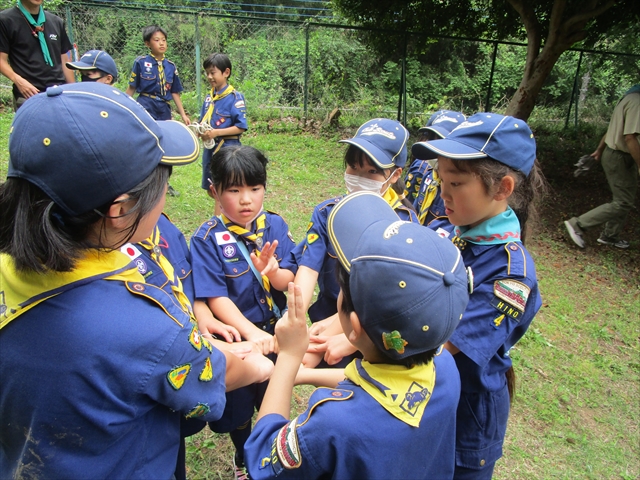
x=622 y=175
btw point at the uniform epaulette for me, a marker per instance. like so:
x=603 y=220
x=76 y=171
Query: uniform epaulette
x=320 y=396
x=517 y=259
x=171 y=62
x=165 y=301
x=167 y=217
x=204 y=229
x=329 y=202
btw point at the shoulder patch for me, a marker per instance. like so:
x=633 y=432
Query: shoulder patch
x=207 y=371
x=239 y=104
x=285 y=452
x=312 y=237
x=513 y=292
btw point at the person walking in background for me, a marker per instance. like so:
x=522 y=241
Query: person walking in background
x=33 y=50
x=619 y=151
x=156 y=79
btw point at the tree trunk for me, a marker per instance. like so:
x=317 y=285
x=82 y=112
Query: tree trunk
x=523 y=101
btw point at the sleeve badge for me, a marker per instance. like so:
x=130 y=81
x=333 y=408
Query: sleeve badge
x=198 y=411
x=207 y=372
x=194 y=338
x=285 y=452
x=178 y=375
x=513 y=292
x=312 y=237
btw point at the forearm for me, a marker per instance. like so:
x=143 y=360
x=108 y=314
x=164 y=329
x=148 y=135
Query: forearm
x=178 y=101
x=68 y=73
x=239 y=373
x=277 y=398
x=5 y=68
x=130 y=90
x=634 y=147
x=306 y=278
x=281 y=278
x=226 y=132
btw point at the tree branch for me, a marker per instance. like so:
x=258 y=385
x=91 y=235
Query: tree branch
x=532 y=26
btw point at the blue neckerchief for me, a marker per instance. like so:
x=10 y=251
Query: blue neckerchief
x=502 y=228
x=634 y=89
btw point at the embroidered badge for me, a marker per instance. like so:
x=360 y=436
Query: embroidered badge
x=393 y=341
x=506 y=308
x=138 y=287
x=392 y=229
x=222 y=238
x=195 y=339
x=513 y=292
x=376 y=130
x=309 y=226
x=147 y=64
x=312 y=237
x=178 y=375
x=414 y=397
x=207 y=344
x=239 y=104
x=497 y=321
x=264 y=462
x=198 y=411
x=142 y=266
x=410 y=176
x=287 y=452
x=442 y=233
x=229 y=251
x=206 y=375
x=130 y=251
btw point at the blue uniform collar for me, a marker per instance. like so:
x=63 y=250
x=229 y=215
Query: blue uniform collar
x=502 y=228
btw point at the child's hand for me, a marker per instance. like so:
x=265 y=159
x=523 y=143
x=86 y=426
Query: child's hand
x=186 y=119
x=311 y=360
x=208 y=135
x=213 y=326
x=266 y=263
x=291 y=331
x=338 y=347
x=264 y=341
x=263 y=367
x=242 y=349
x=320 y=326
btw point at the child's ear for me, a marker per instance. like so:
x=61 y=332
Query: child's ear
x=213 y=191
x=226 y=73
x=146 y=44
x=356 y=327
x=116 y=215
x=505 y=188
x=395 y=176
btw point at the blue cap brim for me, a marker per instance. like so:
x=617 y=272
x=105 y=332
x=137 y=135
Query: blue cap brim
x=179 y=143
x=446 y=148
x=441 y=132
x=81 y=66
x=352 y=217
x=377 y=155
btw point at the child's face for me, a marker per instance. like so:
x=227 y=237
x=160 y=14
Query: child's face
x=241 y=204
x=216 y=78
x=370 y=172
x=466 y=201
x=157 y=44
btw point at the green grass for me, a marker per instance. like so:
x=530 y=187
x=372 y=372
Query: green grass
x=575 y=415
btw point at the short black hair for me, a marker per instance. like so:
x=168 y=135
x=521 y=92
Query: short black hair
x=347 y=307
x=218 y=60
x=147 y=32
x=238 y=165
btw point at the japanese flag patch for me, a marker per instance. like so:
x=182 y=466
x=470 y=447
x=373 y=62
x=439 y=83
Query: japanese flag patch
x=512 y=292
x=130 y=251
x=222 y=238
x=285 y=452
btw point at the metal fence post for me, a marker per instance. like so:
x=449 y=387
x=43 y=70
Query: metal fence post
x=67 y=9
x=198 y=63
x=493 y=67
x=573 y=94
x=306 y=71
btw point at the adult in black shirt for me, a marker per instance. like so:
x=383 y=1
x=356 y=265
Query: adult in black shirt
x=21 y=55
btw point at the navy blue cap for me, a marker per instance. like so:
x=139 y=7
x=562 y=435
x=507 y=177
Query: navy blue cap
x=505 y=139
x=384 y=141
x=442 y=122
x=96 y=59
x=85 y=144
x=408 y=285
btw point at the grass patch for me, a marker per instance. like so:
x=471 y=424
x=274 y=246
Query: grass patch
x=578 y=366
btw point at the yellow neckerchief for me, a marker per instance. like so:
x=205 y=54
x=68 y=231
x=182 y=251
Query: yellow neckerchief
x=161 y=77
x=429 y=196
x=214 y=98
x=403 y=392
x=24 y=290
x=392 y=198
x=152 y=245
x=256 y=238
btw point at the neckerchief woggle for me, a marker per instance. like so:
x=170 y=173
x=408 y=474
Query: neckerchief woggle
x=403 y=392
x=254 y=237
x=214 y=98
x=152 y=244
x=38 y=26
x=21 y=291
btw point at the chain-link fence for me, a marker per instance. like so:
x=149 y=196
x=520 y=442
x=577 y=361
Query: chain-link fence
x=306 y=69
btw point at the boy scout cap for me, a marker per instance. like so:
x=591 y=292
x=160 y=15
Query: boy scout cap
x=442 y=122
x=96 y=59
x=85 y=144
x=408 y=285
x=384 y=141
x=505 y=139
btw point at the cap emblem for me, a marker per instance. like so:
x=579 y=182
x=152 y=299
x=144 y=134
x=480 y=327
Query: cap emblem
x=393 y=229
x=376 y=130
x=393 y=341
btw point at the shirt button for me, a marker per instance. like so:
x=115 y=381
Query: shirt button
x=482 y=462
x=262 y=300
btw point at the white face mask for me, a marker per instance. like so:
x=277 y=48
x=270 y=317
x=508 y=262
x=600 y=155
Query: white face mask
x=356 y=183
